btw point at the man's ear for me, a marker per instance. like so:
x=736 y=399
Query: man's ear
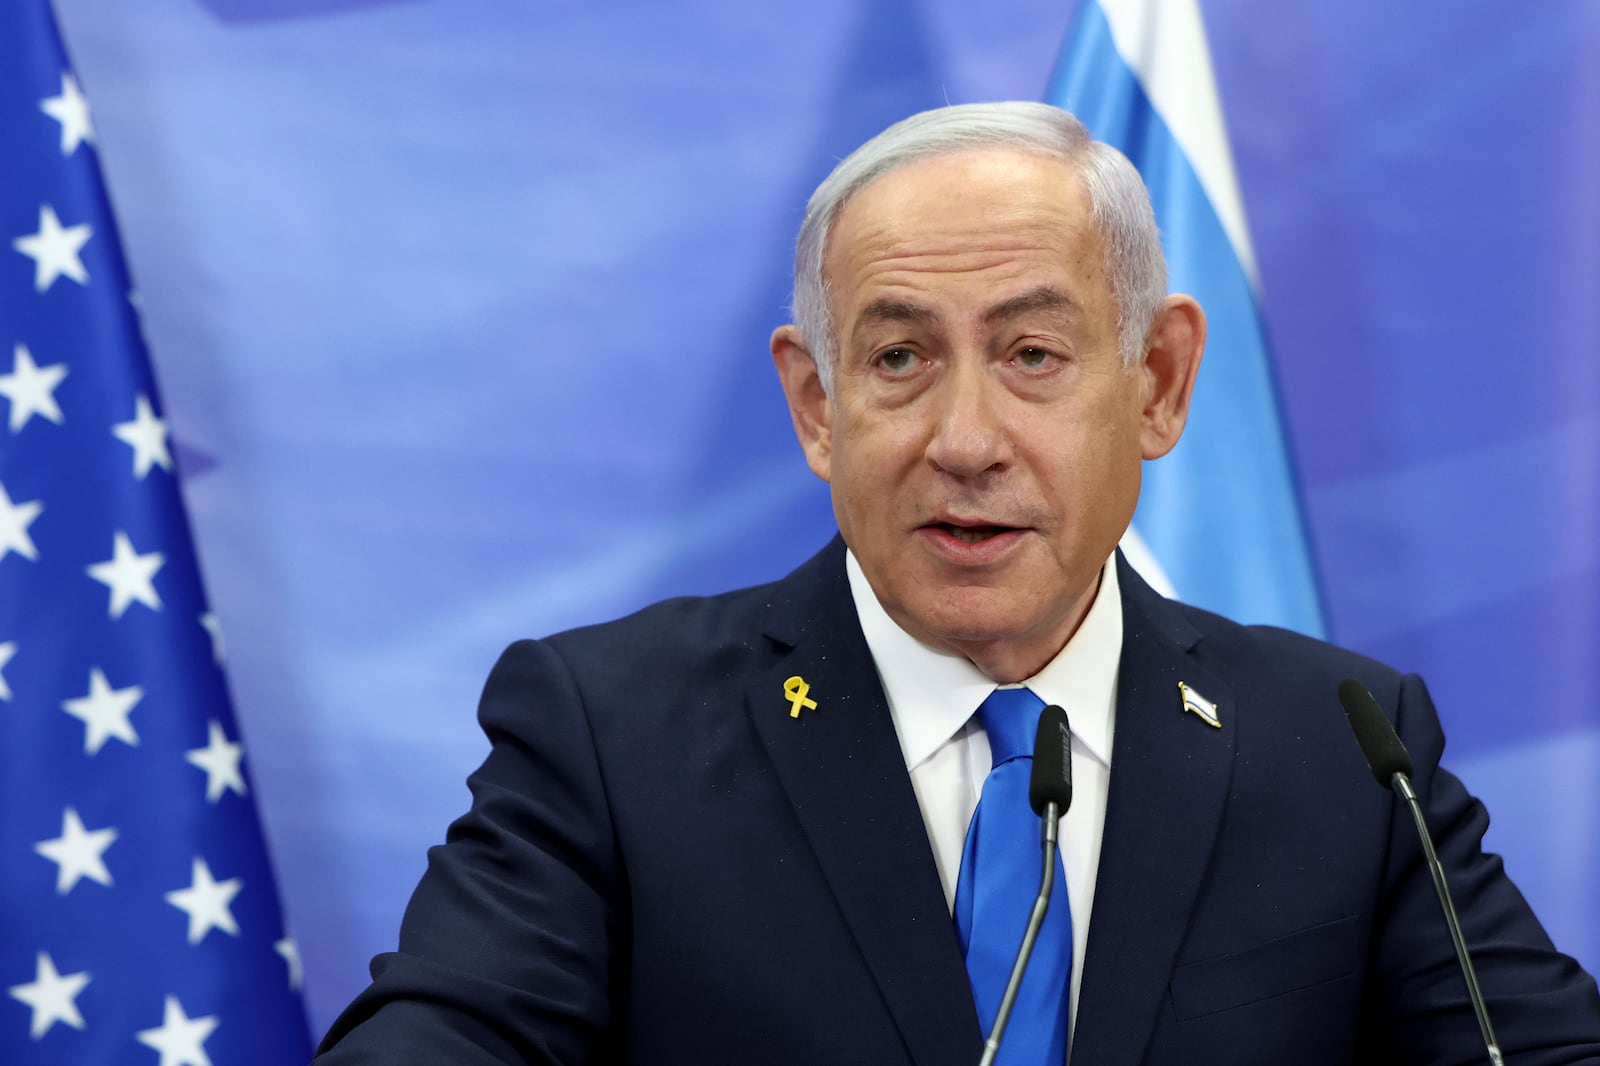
x=809 y=405
x=1172 y=359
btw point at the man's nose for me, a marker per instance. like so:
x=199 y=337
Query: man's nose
x=969 y=437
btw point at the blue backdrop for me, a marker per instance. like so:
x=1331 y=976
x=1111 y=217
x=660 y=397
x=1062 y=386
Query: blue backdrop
x=460 y=311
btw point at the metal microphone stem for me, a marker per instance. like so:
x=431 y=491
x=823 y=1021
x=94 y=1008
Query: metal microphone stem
x=991 y=1047
x=1402 y=785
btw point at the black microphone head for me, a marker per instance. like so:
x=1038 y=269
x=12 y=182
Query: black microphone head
x=1378 y=740
x=1052 y=762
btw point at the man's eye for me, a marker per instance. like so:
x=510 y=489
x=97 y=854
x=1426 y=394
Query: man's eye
x=898 y=360
x=1033 y=358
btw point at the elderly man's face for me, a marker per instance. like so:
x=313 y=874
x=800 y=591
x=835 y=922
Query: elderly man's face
x=983 y=439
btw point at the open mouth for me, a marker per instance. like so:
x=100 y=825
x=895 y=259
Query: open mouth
x=973 y=534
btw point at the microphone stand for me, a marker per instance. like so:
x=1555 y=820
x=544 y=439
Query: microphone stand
x=1391 y=766
x=991 y=1047
x=1402 y=785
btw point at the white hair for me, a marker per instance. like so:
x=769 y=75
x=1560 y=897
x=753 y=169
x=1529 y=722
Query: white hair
x=1118 y=202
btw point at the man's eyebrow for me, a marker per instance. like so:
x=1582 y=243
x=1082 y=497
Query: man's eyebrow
x=885 y=309
x=1043 y=298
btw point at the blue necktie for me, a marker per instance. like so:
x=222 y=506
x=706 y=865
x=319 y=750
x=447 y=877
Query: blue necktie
x=1000 y=868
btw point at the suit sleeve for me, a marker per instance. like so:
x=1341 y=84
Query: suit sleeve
x=509 y=951
x=1543 y=1007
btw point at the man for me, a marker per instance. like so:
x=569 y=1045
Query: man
x=736 y=829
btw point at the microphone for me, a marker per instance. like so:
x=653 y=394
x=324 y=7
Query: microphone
x=1391 y=765
x=1049 y=794
x=1052 y=764
x=1385 y=754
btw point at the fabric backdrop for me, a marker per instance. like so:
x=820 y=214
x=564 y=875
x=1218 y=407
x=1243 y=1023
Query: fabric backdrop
x=460 y=312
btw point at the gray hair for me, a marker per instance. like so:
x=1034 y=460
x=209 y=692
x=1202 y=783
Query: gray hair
x=1118 y=204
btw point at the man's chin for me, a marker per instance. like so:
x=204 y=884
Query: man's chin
x=966 y=618
x=999 y=628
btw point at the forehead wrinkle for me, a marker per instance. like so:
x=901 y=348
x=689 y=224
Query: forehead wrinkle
x=888 y=243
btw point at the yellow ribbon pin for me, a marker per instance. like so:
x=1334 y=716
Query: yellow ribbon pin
x=794 y=690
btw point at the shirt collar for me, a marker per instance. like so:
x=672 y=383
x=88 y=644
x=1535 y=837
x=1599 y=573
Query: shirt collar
x=932 y=693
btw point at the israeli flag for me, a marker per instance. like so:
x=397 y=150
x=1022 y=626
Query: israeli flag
x=1219 y=521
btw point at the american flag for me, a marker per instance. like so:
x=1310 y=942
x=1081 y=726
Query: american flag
x=138 y=918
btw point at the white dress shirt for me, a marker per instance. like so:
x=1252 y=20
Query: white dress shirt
x=933 y=698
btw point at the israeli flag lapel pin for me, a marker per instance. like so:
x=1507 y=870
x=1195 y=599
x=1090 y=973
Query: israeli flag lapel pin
x=1199 y=705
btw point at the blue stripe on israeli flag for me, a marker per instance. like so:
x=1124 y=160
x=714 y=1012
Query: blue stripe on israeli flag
x=1219 y=520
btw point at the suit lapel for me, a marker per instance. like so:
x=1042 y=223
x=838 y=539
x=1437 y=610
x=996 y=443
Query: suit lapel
x=1169 y=785
x=840 y=764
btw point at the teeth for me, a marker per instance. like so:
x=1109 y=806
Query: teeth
x=971 y=536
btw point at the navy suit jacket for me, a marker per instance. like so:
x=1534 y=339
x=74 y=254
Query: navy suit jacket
x=663 y=864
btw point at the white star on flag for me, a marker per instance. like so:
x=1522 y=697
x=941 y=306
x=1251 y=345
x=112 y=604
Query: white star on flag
x=180 y=1039
x=147 y=436
x=51 y=996
x=7 y=651
x=129 y=576
x=15 y=518
x=207 y=902
x=220 y=760
x=78 y=853
x=213 y=625
x=54 y=250
x=104 y=712
x=31 y=388
x=71 y=109
x=291 y=955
